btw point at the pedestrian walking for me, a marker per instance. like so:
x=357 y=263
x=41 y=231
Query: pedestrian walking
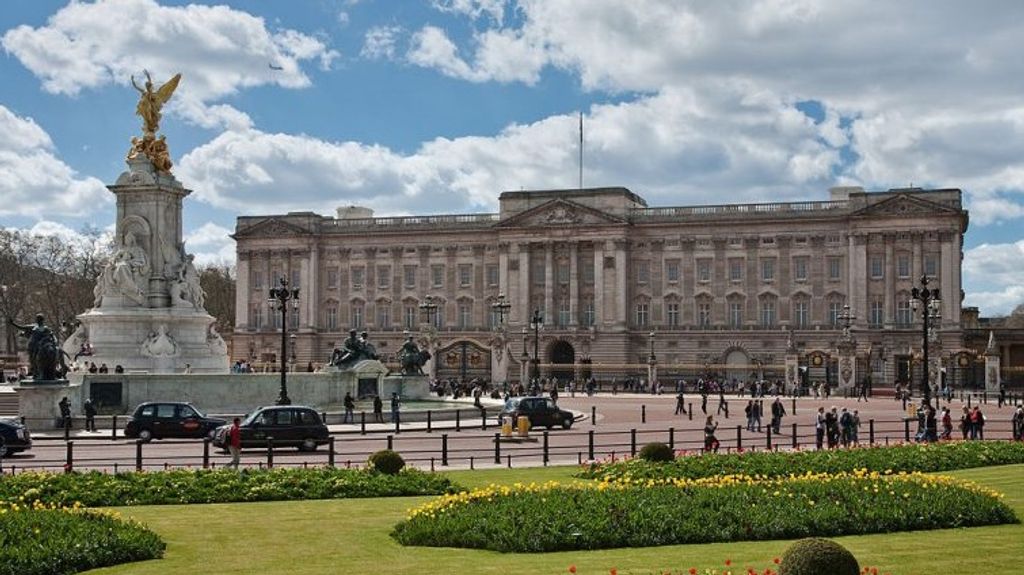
x=778 y=411
x=64 y=405
x=90 y=415
x=1018 y=423
x=758 y=408
x=710 y=441
x=819 y=427
x=350 y=408
x=846 y=427
x=947 y=423
x=396 y=405
x=680 y=404
x=234 y=441
x=965 y=423
x=378 y=409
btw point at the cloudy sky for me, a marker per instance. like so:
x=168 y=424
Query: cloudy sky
x=437 y=106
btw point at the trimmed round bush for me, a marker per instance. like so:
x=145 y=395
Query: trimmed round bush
x=387 y=462
x=816 y=556
x=656 y=452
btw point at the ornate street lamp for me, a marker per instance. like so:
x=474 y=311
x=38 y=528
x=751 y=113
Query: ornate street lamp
x=278 y=301
x=536 y=322
x=429 y=308
x=651 y=357
x=928 y=301
x=501 y=308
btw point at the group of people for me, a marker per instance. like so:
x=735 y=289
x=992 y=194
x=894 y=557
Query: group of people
x=349 y=403
x=836 y=427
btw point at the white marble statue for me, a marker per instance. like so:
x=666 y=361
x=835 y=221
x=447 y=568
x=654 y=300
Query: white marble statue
x=193 y=292
x=76 y=342
x=216 y=342
x=126 y=274
x=160 y=344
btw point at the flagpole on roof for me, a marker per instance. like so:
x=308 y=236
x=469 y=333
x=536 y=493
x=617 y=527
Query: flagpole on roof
x=581 y=150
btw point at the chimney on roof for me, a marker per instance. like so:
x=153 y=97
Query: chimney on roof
x=838 y=193
x=354 y=212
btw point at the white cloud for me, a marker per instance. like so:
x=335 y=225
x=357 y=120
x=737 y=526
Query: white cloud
x=34 y=182
x=211 y=244
x=998 y=276
x=220 y=50
x=379 y=42
x=431 y=48
x=494 y=9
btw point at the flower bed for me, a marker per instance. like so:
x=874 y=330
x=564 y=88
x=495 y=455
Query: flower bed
x=925 y=457
x=95 y=489
x=47 y=540
x=629 y=513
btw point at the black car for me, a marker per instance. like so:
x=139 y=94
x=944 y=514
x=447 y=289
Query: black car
x=539 y=410
x=288 y=425
x=14 y=437
x=160 y=419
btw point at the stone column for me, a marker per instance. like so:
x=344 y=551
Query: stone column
x=574 y=284
x=242 y=290
x=947 y=285
x=524 y=283
x=621 y=297
x=889 y=269
x=599 y=314
x=549 y=284
x=503 y=284
x=792 y=361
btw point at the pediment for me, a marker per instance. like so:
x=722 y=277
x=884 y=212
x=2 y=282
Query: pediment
x=905 y=205
x=560 y=214
x=270 y=228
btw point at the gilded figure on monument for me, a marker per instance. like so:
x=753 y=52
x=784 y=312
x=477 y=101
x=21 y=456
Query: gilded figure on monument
x=150 y=103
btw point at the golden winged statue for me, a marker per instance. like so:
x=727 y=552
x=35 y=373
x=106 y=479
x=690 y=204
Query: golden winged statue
x=151 y=102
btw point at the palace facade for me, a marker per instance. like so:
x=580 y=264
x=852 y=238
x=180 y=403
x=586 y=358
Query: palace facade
x=620 y=286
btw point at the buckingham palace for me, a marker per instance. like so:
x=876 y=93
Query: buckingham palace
x=574 y=283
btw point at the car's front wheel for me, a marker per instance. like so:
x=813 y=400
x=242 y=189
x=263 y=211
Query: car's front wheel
x=145 y=435
x=308 y=444
x=567 y=423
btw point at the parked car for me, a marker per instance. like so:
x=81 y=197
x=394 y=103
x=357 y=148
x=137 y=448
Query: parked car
x=14 y=437
x=160 y=419
x=288 y=425
x=539 y=410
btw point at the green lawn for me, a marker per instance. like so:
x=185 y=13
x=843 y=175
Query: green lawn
x=351 y=536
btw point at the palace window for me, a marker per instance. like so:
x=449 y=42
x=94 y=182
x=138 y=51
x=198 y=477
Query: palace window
x=296 y=278
x=877 y=317
x=409 y=316
x=904 y=317
x=587 y=270
x=437 y=276
x=736 y=270
x=331 y=318
x=588 y=312
x=672 y=314
x=539 y=271
x=800 y=269
x=642 y=314
x=834 y=309
x=293 y=318
x=357 y=315
x=903 y=266
x=768 y=269
x=465 y=315
x=736 y=314
x=383 y=315
x=800 y=313
x=877 y=267
x=643 y=271
x=492 y=275
x=409 y=276
x=383 y=277
x=931 y=266
x=672 y=271
x=357 y=277
x=332 y=278
x=257 y=280
x=767 y=313
x=465 y=275
x=704 y=314
x=703 y=270
x=563 y=312
x=835 y=269
x=257 y=316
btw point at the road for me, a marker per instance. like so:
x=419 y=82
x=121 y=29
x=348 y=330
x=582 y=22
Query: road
x=623 y=422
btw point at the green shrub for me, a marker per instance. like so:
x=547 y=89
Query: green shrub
x=589 y=515
x=816 y=556
x=95 y=489
x=656 y=453
x=925 y=457
x=62 y=541
x=386 y=461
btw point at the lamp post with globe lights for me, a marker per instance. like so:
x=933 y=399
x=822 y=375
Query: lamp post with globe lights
x=278 y=301
x=928 y=301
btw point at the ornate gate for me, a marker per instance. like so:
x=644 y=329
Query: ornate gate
x=464 y=360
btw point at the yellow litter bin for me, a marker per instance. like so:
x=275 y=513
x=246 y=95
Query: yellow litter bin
x=506 y=427
x=523 y=426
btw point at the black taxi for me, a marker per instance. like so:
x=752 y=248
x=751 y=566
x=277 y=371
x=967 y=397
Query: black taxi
x=160 y=419
x=288 y=425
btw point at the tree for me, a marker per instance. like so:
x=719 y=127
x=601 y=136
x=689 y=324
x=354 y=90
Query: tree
x=218 y=282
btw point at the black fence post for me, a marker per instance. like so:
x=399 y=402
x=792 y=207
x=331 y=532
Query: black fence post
x=323 y=416
x=497 y=449
x=69 y=464
x=391 y=442
x=793 y=411
x=739 y=437
x=672 y=438
x=362 y=422
x=795 y=441
x=546 y=458
x=632 y=442
x=768 y=438
x=483 y=419
x=689 y=410
x=593 y=415
x=906 y=430
x=444 y=449
x=643 y=413
x=590 y=445
x=429 y=422
x=138 y=455
x=206 y=453
x=398 y=424
x=458 y=420
x=330 y=451
x=67 y=428
x=270 y=452
x=871 y=431
x=113 y=428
